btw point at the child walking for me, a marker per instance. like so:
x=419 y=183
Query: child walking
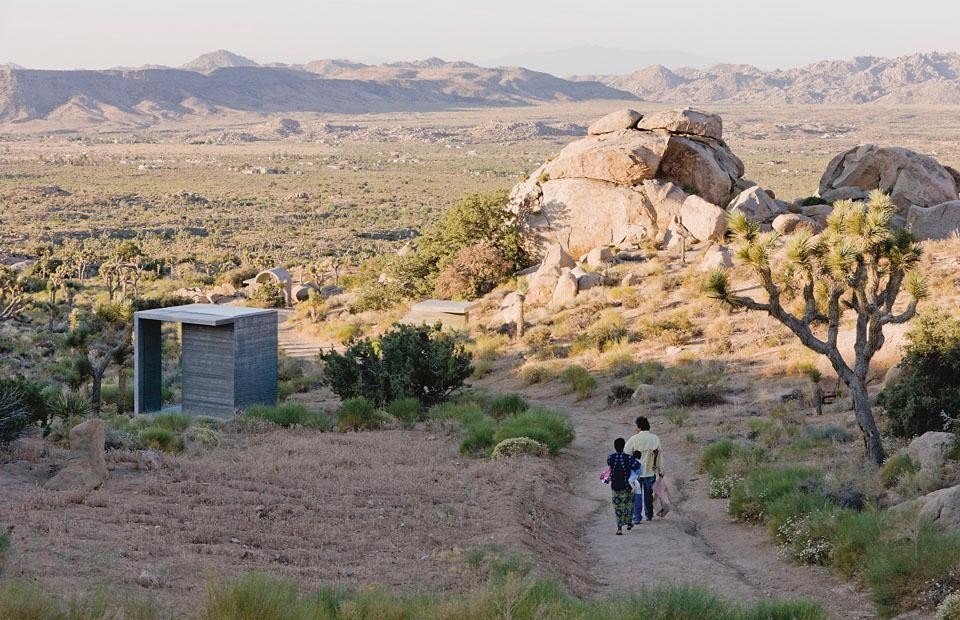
x=621 y=467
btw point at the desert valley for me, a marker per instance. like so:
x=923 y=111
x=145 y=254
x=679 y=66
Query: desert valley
x=480 y=277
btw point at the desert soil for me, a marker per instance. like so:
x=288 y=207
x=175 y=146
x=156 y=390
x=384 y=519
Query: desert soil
x=697 y=543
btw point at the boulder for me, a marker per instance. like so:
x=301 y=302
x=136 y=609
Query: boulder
x=541 y=287
x=330 y=290
x=756 y=204
x=929 y=450
x=941 y=221
x=696 y=168
x=525 y=195
x=86 y=468
x=942 y=508
x=625 y=157
x=599 y=256
x=631 y=279
x=843 y=193
x=787 y=223
x=566 y=290
x=909 y=177
x=588 y=281
x=665 y=200
x=818 y=213
x=615 y=121
x=585 y=213
x=893 y=373
x=510 y=307
x=686 y=121
x=705 y=221
x=716 y=257
x=556 y=258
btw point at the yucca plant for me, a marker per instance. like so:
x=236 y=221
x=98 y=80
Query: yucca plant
x=858 y=263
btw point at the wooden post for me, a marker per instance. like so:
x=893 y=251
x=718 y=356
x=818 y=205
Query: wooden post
x=520 y=319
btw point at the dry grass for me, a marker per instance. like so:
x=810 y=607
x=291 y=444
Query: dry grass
x=391 y=508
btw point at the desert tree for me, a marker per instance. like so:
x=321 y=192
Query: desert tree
x=100 y=336
x=859 y=263
x=13 y=297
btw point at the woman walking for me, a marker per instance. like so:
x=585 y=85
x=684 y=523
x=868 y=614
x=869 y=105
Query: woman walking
x=621 y=466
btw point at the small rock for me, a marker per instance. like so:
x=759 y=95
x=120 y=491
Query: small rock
x=788 y=223
x=235 y=541
x=148 y=580
x=597 y=257
x=631 y=279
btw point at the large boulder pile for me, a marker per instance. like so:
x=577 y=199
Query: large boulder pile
x=925 y=191
x=909 y=177
x=634 y=177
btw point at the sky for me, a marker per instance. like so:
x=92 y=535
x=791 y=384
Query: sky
x=67 y=34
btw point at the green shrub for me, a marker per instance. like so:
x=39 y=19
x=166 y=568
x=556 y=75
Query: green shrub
x=419 y=361
x=698 y=395
x=358 y=414
x=753 y=496
x=203 y=435
x=647 y=373
x=714 y=457
x=579 y=381
x=793 y=507
x=254 y=597
x=267 y=295
x=27 y=601
x=176 y=422
x=478 y=436
x=549 y=428
x=853 y=535
x=609 y=329
x=619 y=395
x=70 y=404
x=516 y=446
x=926 y=396
x=531 y=374
x=505 y=405
x=830 y=433
x=162 y=439
x=895 y=468
x=290 y=414
x=407 y=410
x=897 y=572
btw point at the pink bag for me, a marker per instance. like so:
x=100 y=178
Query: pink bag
x=661 y=497
x=605 y=476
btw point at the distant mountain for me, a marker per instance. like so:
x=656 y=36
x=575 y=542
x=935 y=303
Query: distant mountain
x=11 y=65
x=932 y=78
x=596 y=59
x=220 y=59
x=73 y=100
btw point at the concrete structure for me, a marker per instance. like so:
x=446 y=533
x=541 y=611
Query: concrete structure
x=451 y=314
x=278 y=276
x=228 y=357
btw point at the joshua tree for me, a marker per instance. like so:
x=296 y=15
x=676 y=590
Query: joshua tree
x=858 y=263
x=13 y=299
x=101 y=336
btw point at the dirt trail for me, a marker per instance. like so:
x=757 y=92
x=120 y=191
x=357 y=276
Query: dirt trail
x=696 y=543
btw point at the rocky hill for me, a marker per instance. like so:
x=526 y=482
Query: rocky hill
x=932 y=78
x=221 y=82
x=219 y=59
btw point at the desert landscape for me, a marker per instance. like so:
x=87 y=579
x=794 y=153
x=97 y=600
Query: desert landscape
x=762 y=262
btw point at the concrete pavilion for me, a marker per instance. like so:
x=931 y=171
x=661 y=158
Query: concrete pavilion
x=228 y=358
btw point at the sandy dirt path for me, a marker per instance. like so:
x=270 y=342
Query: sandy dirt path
x=696 y=543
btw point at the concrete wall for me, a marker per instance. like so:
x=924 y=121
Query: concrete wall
x=255 y=370
x=207 y=369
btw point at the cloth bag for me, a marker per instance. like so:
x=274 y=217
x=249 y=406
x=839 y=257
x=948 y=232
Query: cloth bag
x=661 y=497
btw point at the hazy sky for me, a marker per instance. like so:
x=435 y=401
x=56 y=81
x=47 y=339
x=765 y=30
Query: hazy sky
x=767 y=33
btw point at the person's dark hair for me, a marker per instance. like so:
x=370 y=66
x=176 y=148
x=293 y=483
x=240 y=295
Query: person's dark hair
x=619 y=443
x=643 y=423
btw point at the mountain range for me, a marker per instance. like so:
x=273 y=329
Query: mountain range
x=929 y=78
x=598 y=59
x=221 y=83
